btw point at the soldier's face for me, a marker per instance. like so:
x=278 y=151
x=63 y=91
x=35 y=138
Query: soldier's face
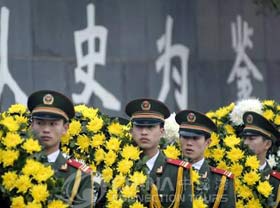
x=147 y=137
x=193 y=147
x=49 y=133
x=258 y=145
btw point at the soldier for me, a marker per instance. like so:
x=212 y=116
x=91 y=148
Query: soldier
x=50 y=114
x=216 y=186
x=259 y=134
x=169 y=179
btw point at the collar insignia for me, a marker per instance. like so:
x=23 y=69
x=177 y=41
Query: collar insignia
x=48 y=99
x=204 y=175
x=159 y=170
x=64 y=167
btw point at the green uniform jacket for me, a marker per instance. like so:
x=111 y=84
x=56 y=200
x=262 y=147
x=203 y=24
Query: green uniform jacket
x=164 y=176
x=274 y=182
x=85 y=193
x=211 y=181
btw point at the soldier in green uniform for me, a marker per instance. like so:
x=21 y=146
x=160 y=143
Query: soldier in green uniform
x=169 y=179
x=216 y=186
x=259 y=134
x=50 y=113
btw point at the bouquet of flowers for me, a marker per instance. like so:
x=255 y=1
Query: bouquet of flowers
x=108 y=148
x=25 y=180
x=227 y=151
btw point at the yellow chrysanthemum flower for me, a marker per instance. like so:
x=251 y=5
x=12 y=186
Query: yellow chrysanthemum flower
x=75 y=128
x=277 y=119
x=251 y=178
x=12 y=140
x=93 y=167
x=265 y=188
x=17 y=108
x=221 y=112
x=39 y=192
x=137 y=205
x=115 y=129
x=57 y=204
x=95 y=124
x=268 y=114
x=210 y=114
x=240 y=204
x=112 y=195
x=214 y=139
x=245 y=192
x=31 y=146
x=65 y=139
x=199 y=203
x=9 y=179
x=231 y=141
x=18 y=202
x=130 y=152
x=21 y=120
x=9 y=157
x=117 y=203
x=110 y=158
x=222 y=165
x=269 y=103
x=207 y=153
x=118 y=181
x=23 y=183
x=31 y=167
x=34 y=204
x=107 y=174
x=172 y=152
x=113 y=144
x=99 y=155
x=218 y=153
x=86 y=111
x=83 y=142
x=45 y=174
x=236 y=169
x=129 y=191
x=254 y=203
x=124 y=166
x=252 y=162
x=98 y=140
x=10 y=123
x=138 y=178
x=195 y=177
x=235 y=154
x=229 y=129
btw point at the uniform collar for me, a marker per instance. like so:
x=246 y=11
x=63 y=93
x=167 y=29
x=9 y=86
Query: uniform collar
x=151 y=162
x=198 y=164
x=53 y=156
x=261 y=168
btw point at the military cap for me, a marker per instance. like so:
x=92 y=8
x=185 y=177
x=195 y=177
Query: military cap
x=50 y=105
x=147 y=112
x=122 y=121
x=193 y=123
x=257 y=125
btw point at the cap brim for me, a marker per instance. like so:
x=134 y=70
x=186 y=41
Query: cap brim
x=190 y=134
x=47 y=116
x=146 y=122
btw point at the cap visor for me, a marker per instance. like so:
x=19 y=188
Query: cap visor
x=146 y=122
x=47 y=116
x=190 y=134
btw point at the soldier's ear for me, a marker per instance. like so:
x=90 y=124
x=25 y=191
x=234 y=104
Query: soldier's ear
x=268 y=144
x=65 y=127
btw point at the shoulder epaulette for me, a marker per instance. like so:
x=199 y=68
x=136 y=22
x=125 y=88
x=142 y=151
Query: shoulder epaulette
x=79 y=165
x=222 y=172
x=275 y=174
x=181 y=163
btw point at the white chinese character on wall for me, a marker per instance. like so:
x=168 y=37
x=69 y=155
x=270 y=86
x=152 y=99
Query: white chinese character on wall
x=163 y=63
x=243 y=66
x=5 y=75
x=94 y=37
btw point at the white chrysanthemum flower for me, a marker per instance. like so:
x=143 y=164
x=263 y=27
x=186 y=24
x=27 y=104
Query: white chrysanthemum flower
x=236 y=116
x=271 y=161
x=171 y=128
